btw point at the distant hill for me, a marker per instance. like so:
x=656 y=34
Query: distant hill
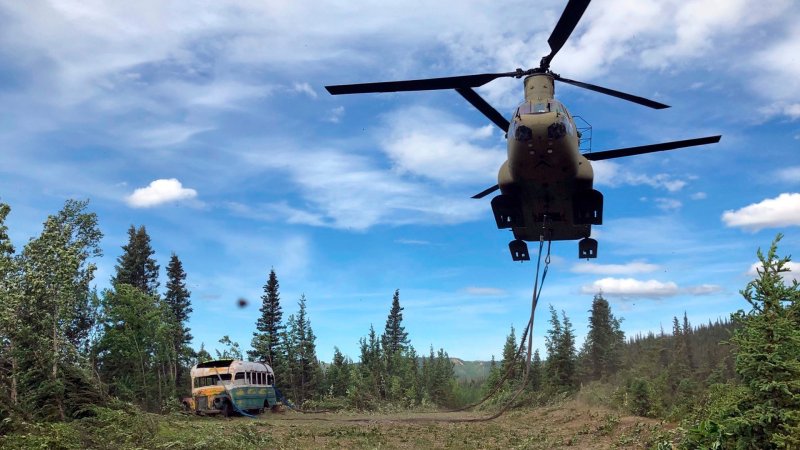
x=471 y=370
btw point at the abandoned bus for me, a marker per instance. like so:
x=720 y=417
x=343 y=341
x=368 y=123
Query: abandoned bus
x=225 y=385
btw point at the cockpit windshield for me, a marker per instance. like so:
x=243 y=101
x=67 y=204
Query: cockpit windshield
x=533 y=108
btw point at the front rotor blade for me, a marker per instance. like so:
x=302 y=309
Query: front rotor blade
x=486 y=192
x=566 y=24
x=425 y=84
x=630 y=151
x=629 y=97
x=483 y=106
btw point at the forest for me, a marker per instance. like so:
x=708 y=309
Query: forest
x=75 y=362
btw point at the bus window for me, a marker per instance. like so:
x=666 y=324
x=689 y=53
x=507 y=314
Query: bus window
x=239 y=378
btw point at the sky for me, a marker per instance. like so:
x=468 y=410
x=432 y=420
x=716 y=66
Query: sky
x=208 y=123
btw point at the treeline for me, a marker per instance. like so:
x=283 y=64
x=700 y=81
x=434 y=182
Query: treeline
x=66 y=348
x=388 y=371
x=730 y=383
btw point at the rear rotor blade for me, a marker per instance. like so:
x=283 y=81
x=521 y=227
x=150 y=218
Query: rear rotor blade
x=629 y=97
x=486 y=192
x=425 y=84
x=566 y=24
x=483 y=106
x=630 y=151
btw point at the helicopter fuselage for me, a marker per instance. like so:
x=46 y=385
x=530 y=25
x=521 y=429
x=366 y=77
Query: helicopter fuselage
x=545 y=170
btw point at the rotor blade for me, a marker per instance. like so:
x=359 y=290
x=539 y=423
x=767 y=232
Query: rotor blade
x=630 y=151
x=425 y=84
x=613 y=93
x=483 y=106
x=566 y=24
x=486 y=192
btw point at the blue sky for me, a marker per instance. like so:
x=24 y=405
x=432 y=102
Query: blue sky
x=208 y=123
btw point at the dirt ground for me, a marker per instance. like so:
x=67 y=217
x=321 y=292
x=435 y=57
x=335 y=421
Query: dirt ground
x=570 y=425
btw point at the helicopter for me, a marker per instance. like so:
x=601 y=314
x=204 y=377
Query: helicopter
x=546 y=183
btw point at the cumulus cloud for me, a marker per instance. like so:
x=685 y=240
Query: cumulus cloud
x=431 y=143
x=789 y=175
x=304 y=88
x=349 y=191
x=781 y=211
x=159 y=192
x=628 y=288
x=485 y=291
x=668 y=204
x=699 y=196
x=632 y=288
x=336 y=115
x=609 y=173
x=704 y=289
x=792 y=274
x=614 y=269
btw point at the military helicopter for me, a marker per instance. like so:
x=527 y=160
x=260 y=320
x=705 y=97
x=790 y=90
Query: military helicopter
x=545 y=185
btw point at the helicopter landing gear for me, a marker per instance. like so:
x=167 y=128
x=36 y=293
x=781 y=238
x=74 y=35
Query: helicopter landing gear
x=587 y=248
x=519 y=250
x=587 y=207
x=507 y=211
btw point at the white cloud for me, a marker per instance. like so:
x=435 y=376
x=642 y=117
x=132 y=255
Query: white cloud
x=704 y=289
x=781 y=211
x=336 y=115
x=789 y=175
x=668 y=204
x=346 y=190
x=632 y=288
x=159 y=192
x=167 y=135
x=485 y=291
x=614 y=269
x=413 y=242
x=609 y=173
x=304 y=88
x=792 y=274
x=699 y=196
x=431 y=143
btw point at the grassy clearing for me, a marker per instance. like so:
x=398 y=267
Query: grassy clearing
x=571 y=425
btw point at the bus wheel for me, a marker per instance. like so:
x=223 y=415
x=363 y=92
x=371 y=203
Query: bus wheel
x=227 y=409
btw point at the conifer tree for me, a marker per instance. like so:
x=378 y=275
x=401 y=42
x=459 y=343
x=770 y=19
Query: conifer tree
x=768 y=339
x=54 y=298
x=561 y=355
x=306 y=370
x=136 y=266
x=510 y=361
x=265 y=341
x=231 y=349
x=9 y=319
x=179 y=304
x=395 y=338
x=604 y=340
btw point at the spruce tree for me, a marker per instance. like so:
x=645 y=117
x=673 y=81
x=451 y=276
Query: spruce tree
x=768 y=341
x=177 y=301
x=136 y=266
x=604 y=340
x=306 y=370
x=510 y=361
x=395 y=338
x=265 y=341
